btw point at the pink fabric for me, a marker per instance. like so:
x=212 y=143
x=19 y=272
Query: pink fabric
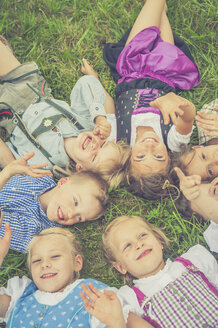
x=147 y=55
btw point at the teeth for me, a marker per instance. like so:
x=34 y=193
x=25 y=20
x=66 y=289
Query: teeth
x=86 y=142
x=48 y=275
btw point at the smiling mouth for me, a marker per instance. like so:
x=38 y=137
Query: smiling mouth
x=143 y=254
x=86 y=142
x=149 y=139
x=48 y=275
x=60 y=214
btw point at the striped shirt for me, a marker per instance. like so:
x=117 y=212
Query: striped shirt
x=21 y=208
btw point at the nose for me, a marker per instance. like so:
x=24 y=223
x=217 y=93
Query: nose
x=95 y=145
x=139 y=244
x=149 y=146
x=46 y=263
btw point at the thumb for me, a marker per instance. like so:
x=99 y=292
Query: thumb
x=28 y=156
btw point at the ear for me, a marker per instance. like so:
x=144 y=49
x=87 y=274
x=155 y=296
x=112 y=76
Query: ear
x=197 y=146
x=78 y=263
x=79 y=167
x=119 y=267
x=63 y=180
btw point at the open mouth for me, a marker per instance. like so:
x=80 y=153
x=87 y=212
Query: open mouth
x=143 y=254
x=48 y=275
x=60 y=214
x=86 y=142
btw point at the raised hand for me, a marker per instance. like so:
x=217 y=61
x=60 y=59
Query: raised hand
x=5 y=242
x=102 y=127
x=20 y=166
x=189 y=185
x=105 y=306
x=208 y=122
x=173 y=106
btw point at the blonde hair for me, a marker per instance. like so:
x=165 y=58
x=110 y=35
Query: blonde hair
x=109 y=255
x=113 y=171
x=70 y=237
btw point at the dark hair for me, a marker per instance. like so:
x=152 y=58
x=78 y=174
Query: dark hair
x=103 y=196
x=150 y=187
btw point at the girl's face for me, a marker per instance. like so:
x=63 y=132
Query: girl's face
x=89 y=151
x=137 y=250
x=52 y=263
x=203 y=162
x=149 y=155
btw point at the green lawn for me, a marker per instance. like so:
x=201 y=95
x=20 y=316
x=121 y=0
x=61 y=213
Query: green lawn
x=57 y=34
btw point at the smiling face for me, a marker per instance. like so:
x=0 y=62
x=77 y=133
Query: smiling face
x=136 y=249
x=53 y=265
x=206 y=204
x=149 y=155
x=89 y=151
x=203 y=162
x=74 y=200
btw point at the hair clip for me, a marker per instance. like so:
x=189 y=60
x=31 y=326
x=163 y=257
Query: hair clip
x=167 y=185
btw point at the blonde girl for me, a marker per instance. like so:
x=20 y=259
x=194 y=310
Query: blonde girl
x=51 y=298
x=168 y=293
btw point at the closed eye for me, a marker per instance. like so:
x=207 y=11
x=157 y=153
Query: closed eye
x=143 y=235
x=126 y=246
x=210 y=172
x=203 y=156
x=35 y=261
x=55 y=256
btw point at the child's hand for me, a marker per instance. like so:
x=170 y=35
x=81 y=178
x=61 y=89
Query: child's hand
x=20 y=166
x=172 y=106
x=5 y=242
x=105 y=306
x=189 y=185
x=208 y=122
x=169 y=105
x=102 y=127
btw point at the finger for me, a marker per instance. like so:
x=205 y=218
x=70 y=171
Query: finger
x=94 y=289
x=179 y=111
x=193 y=196
x=205 y=116
x=89 y=292
x=109 y=293
x=96 y=131
x=166 y=118
x=205 y=121
x=179 y=173
x=173 y=118
x=38 y=166
x=28 y=156
x=87 y=304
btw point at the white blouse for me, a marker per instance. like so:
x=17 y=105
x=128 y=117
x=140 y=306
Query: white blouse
x=174 y=138
x=211 y=236
x=198 y=255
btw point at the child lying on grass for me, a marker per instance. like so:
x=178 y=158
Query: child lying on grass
x=31 y=202
x=55 y=131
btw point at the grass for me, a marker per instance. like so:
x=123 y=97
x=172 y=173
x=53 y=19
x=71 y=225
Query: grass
x=57 y=34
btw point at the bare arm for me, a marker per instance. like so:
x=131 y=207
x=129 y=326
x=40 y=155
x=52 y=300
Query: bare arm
x=135 y=321
x=4 y=247
x=6 y=155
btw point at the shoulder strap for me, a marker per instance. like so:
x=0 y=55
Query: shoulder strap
x=140 y=296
